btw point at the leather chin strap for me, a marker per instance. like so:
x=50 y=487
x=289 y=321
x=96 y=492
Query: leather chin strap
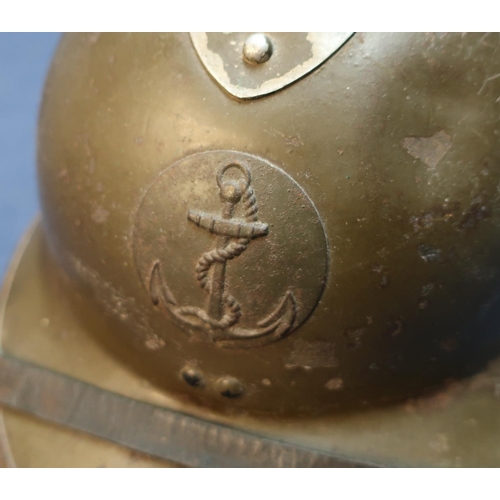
x=146 y=428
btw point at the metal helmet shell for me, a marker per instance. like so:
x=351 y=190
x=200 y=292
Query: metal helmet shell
x=376 y=178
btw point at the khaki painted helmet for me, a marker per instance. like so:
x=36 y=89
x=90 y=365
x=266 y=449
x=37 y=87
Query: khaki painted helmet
x=261 y=249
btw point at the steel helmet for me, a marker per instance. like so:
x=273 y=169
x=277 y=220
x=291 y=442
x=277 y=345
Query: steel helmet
x=292 y=238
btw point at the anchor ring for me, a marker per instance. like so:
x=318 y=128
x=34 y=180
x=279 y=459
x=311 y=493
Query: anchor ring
x=244 y=170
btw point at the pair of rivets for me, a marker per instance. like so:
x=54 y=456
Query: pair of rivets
x=228 y=387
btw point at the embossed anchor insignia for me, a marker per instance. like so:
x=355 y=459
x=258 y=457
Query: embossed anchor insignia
x=233 y=235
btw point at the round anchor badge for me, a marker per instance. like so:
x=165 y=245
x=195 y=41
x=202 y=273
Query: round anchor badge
x=231 y=248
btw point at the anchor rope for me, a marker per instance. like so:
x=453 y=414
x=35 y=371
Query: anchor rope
x=233 y=249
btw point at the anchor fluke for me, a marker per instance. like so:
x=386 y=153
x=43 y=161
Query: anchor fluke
x=271 y=328
x=284 y=313
x=158 y=289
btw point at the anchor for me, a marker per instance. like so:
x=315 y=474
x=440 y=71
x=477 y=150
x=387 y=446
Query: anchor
x=220 y=319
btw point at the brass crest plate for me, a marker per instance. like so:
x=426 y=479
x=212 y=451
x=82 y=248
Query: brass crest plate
x=231 y=248
x=294 y=56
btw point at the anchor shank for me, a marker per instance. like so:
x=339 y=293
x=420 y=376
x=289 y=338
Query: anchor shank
x=215 y=300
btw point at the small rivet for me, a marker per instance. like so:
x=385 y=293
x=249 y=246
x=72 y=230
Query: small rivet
x=193 y=377
x=230 y=387
x=257 y=49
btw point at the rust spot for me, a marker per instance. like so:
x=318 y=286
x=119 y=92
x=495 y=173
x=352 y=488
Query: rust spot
x=428 y=149
x=334 y=384
x=354 y=336
x=474 y=214
x=293 y=140
x=438 y=213
x=100 y=215
x=423 y=304
x=489 y=382
x=427 y=290
x=154 y=343
x=429 y=254
x=394 y=328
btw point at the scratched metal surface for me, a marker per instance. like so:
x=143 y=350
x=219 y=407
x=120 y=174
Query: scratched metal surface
x=24 y=61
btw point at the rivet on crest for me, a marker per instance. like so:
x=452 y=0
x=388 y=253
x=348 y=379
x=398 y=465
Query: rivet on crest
x=258 y=49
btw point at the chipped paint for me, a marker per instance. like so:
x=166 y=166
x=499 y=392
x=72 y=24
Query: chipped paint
x=312 y=354
x=430 y=150
x=322 y=46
